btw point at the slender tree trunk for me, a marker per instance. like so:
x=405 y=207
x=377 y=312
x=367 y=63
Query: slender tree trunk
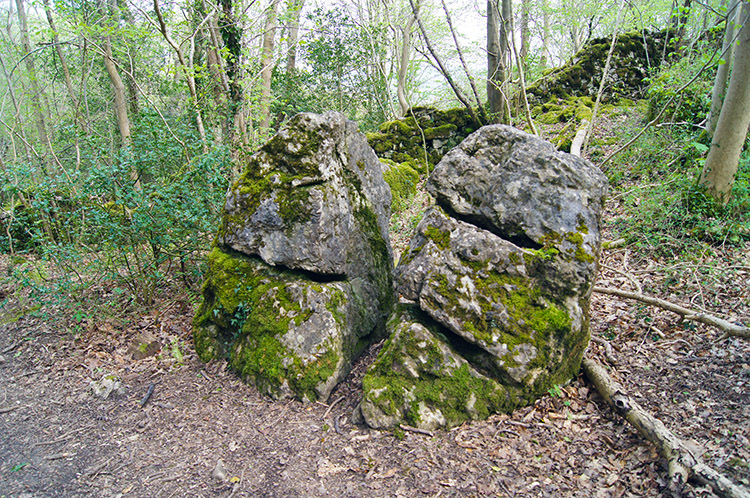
x=66 y=71
x=498 y=22
x=403 y=65
x=295 y=10
x=546 y=57
x=188 y=70
x=722 y=73
x=232 y=38
x=465 y=67
x=266 y=62
x=36 y=91
x=525 y=32
x=721 y=164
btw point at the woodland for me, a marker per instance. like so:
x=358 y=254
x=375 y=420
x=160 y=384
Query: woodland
x=123 y=122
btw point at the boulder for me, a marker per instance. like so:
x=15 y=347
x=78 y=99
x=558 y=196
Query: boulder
x=421 y=379
x=299 y=280
x=503 y=268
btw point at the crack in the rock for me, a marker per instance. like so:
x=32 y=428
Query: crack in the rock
x=520 y=240
x=286 y=271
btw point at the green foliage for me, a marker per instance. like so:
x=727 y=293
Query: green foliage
x=691 y=104
x=664 y=208
x=95 y=224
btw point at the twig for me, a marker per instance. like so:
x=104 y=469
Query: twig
x=416 y=430
x=205 y=375
x=148 y=394
x=11 y=347
x=60 y=456
x=729 y=328
x=608 y=353
x=682 y=463
x=328 y=410
x=8 y=410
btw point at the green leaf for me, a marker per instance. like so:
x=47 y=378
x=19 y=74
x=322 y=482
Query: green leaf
x=18 y=467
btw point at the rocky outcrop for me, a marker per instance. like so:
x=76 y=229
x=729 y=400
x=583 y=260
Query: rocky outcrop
x=422 y=137
x=501 y=271
x=634 y=57
x=299 y=280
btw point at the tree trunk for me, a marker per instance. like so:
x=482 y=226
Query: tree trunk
x=722 y=73
x=36 y=91
x=295 y=9
x=546 y=57
x=403 y=65
x=266 y=62
x=731 y=129
x=66 y=71
x=525 y=32
x=497 y=53
x=232 y=37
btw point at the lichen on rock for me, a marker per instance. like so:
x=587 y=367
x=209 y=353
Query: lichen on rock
x=299 y=280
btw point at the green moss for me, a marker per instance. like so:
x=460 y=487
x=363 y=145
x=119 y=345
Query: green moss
x=403 y=180
x=247 y=308
x=442 y=131
x=441 y=238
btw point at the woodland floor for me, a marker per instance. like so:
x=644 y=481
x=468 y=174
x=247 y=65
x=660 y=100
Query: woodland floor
x=57 y=439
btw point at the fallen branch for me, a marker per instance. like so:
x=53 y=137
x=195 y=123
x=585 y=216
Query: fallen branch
x=416 y=430
x=682 y=463
x=148 y=394
x=729 y=328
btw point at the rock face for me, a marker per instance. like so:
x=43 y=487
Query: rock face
x=299 y=280
x=635 y=54
x=501 y=270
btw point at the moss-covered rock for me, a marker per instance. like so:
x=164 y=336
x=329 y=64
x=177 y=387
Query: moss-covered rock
x=300 y=278
x=635 y=55
x=421 y=379
x=503 y=266
x=422 y=137
x=403 y=180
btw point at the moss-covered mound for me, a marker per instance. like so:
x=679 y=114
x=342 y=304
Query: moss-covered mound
x=421 y=379
x=422 y=137
x=300 y=279
x=635 y=55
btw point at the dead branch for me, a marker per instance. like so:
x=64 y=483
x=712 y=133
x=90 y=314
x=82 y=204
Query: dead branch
x=682 y=463
x=729 y=328
x=416 y=430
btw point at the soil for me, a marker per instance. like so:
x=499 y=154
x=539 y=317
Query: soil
x=203 y=432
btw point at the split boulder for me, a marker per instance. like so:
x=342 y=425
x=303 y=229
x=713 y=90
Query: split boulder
x=501 y=270
x=299 y=280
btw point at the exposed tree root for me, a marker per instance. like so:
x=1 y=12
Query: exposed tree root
x=682 y=463
x=729 y=328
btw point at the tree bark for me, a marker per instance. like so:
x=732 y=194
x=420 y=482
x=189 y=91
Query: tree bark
x=720 y=168
x=65 y=69
x=189 y=77
x=403 y=65
x=496 y=97
x=266 y=62
x=36 y=91
x=295 y=10
x=722 y=73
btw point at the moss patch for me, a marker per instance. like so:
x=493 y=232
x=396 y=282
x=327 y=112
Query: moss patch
x=403 y=180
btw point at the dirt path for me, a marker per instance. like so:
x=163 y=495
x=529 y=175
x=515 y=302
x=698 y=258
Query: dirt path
x=57 y=439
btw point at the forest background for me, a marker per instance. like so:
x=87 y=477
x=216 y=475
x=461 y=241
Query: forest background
x=122 y=122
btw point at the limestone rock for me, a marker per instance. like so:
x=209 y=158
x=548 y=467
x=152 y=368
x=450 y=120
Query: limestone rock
x=503 y=268
x=520 y=188
x=299 y=281
x=420 y=379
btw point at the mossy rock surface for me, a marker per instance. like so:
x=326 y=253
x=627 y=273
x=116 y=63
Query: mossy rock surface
x=501 y=271
x=420 y=379
x=422 y=137
x=300 y=278
x=635 y=57
x=403 y=180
